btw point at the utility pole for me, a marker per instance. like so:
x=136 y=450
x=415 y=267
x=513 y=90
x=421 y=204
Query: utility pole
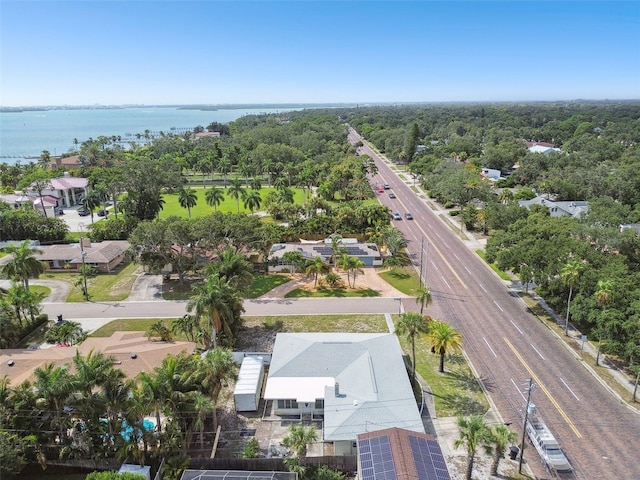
x=524 y=425
x=421 y=251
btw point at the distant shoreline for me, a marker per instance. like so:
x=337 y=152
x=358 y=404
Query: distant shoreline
x=201 y=107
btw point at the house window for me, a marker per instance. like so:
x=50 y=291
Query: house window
x=319 y=403
x=287 y=404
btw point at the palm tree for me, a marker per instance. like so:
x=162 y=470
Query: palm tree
x=91 y=201
x=412 y=324
x=188 y=199
x=337 y=248
x=216 y=303
x=316 y=267
x=570 y=275
x=505 y=195
x=185 y=325
x=92 y=370
x=224 y=166
x=256 y=183
x=298 y=438
x=214 y=197
x=424 y=297
x=54 y=386
x=604 y=298
x=251 y=199
x=473 y=433
x=501 y=437
x=23 y=264
x=216 y=367
x=235 y=190
x=355 y=266
x=443 y=338
x=233 y=268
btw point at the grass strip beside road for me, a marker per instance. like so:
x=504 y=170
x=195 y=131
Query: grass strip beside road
x=404 y=279
x=337 y=292
x=503 y=275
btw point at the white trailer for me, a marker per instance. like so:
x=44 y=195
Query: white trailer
x=249 y=385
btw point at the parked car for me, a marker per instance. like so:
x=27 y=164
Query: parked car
x=386 y=186
x=103 y=213
x=396 y=216
x=83 y=212
x=408 y=216
x=392 y=195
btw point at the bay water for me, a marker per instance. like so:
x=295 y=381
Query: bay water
x=24 y=135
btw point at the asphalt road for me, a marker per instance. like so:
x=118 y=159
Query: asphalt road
x=107 y=311
x=507 y=346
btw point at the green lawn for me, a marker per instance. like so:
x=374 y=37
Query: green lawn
x=174 y=290
x=40 y=289
x=172 y=205
x=131 y=325
x=457 y=391
x=265 y=283
x=332 y=292
x=404 y=279
x=103 y=287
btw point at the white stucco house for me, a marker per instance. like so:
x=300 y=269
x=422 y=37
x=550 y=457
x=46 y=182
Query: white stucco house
x=67 y=189
x=355 y=382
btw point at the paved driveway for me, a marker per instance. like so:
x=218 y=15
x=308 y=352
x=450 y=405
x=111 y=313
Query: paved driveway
x=147 y=287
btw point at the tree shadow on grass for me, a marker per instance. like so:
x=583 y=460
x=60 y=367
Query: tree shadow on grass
x=463 y=405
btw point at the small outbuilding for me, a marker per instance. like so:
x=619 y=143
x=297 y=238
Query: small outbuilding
x=249 y=385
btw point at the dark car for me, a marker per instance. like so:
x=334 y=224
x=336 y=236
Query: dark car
x=59 y=211
x=392 y=195
x=102 y=213
x=83 y=212
x=408 y=216
x=396 y=216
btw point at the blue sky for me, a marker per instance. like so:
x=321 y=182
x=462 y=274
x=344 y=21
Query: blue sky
x=216 y=52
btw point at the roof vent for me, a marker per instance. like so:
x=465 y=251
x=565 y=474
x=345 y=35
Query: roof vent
x=337 y=389
x=134 y=355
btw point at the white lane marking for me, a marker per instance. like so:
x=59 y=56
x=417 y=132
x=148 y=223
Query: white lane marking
x=537 y=351
x=518 y=389
x=456 y=256
x=517 y=328
x=446 y=244
x=445 y=281
x=434 y=265
x=570 y=391
x=468 y=271
x=438 y=235
x=494 y=353
x=483 y=289
x=497 y=305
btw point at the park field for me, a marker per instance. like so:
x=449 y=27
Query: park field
x=229 y=205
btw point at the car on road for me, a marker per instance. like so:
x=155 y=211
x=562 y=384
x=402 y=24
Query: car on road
x=408 y=216
x=58 y=211
x=392 y=195
x=103 y=213
x=396 y=216
x=83 y=212
x=380 y=190
x=386 y=186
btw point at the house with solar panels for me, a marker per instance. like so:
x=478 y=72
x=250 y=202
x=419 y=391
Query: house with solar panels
x=354 y=382
x=395 y=454
x=367 y=253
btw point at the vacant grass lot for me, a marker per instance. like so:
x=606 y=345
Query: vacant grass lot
x=172 y=205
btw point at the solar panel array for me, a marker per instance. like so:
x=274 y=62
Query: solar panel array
x=351 y=251
x=376 y=459
x=428 y=459
x=235 y=475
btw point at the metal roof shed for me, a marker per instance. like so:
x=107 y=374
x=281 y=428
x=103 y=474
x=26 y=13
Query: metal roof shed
x=249 y=385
